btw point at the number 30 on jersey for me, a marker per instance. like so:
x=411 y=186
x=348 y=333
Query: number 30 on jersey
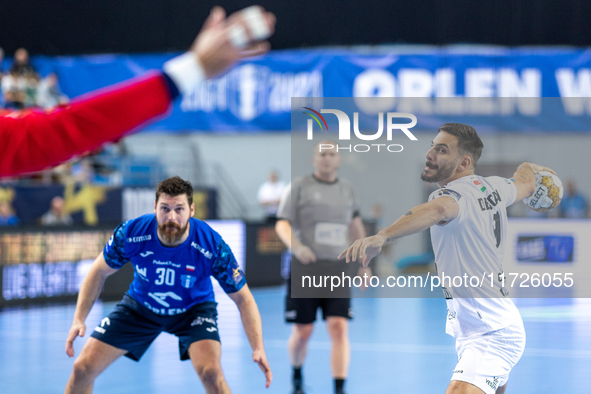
x=165 y=276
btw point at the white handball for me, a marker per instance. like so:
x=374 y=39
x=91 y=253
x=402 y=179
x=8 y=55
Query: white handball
x=548 y=192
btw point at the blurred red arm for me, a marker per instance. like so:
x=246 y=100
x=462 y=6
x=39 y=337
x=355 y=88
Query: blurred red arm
x=34 y=140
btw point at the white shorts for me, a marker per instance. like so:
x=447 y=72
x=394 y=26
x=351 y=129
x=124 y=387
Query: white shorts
x=486 y=360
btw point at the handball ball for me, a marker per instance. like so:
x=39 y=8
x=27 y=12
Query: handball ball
x=548 y=192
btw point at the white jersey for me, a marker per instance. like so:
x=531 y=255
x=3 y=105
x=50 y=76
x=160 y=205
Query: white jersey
x=473 y=244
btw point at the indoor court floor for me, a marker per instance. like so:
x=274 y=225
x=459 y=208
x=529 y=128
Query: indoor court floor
x=397 y=346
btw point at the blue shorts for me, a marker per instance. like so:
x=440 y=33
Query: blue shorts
x=133 y=327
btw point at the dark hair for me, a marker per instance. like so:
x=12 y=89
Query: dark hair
x=468 y=141
x=175 y=186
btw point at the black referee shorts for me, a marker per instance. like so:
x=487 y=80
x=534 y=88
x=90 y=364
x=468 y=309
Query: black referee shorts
x=304 y=310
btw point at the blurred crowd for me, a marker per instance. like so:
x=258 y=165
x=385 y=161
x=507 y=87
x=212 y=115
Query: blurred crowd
x=22 y=86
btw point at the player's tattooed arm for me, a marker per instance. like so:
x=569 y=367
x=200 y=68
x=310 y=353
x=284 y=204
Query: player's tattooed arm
x=442 y=209
x=421 y=217
x=523 y=177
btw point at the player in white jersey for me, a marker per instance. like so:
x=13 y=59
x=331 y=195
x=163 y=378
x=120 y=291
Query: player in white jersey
x=468 y=217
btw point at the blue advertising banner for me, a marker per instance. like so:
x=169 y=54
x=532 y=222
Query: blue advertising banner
x=256 y=95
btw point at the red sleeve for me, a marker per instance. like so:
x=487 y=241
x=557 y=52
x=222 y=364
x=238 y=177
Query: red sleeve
x=33 y=141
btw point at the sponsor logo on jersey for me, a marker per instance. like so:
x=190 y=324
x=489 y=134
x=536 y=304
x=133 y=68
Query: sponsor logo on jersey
x=494 y=382
x=142 y=272
x=490 y=202
x=190 y=268
x=162 y=311
x=201 y=320
x=451 y=315
x=449 y=192
x=100 y=328
x=158 y=262
x=188 y=281
x=236 y=275
x=211 y=329
x=146 y=254
x=141 y=238
x=161 y=297
x=204 y=252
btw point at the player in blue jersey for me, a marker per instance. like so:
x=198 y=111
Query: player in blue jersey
x=173 y=257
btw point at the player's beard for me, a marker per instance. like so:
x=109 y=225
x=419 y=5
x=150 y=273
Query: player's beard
x=172 y=232
x=441 y=174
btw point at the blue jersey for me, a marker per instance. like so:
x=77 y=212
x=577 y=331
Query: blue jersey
x=170 y=280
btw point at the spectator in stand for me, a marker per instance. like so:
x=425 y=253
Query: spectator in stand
x=57 y=215
x=14 y=90
x=83 y=171
x=31 y=89
x=49 y=94
x=7 y=215
x=20 y=86
x=269 y=196
x=573 y=204
x=21 y=65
